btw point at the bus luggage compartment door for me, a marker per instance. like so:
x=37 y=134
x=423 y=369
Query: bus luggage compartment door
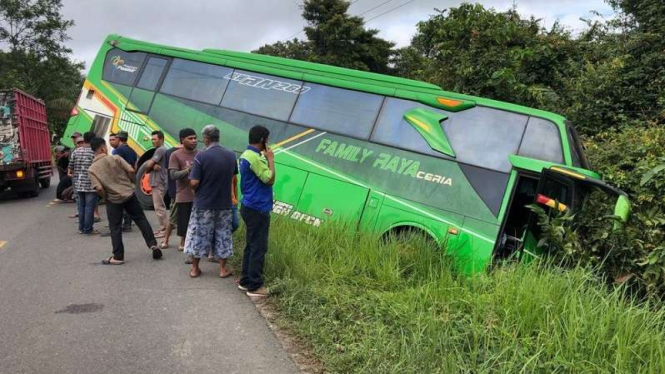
x=326 y=199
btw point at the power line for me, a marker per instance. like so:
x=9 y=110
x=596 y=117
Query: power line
x=388 y=11
x=378 y=6
x=365 y=12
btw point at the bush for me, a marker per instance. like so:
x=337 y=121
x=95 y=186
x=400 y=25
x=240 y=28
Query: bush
x=635 y=253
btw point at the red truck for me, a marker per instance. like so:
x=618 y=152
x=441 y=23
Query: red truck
x=25 y=149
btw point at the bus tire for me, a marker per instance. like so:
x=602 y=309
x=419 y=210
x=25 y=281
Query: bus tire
x=140 y=189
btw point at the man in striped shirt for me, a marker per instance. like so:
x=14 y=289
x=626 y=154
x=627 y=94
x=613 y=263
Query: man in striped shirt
x=79 y=163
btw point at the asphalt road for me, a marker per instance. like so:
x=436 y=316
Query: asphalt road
x=63 y=312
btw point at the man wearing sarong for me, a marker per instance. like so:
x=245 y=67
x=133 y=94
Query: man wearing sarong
x=209 y=228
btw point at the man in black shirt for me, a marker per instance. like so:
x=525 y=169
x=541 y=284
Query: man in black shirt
x=124 y=150
x=129 y=155
x=62 y=163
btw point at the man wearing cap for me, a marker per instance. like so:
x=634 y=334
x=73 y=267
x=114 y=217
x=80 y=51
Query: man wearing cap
x=123 y=150
x=80 y=161
x=74 y=137
x=180 y=164
x=77 y=139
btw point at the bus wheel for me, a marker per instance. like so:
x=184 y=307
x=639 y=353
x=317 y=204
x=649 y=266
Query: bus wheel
x=142 y=188
x=413 y=245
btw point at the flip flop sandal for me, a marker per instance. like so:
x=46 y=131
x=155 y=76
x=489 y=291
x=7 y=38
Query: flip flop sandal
x=163 y=245
x=196 y=275
x=112 y=261
x=230 y=273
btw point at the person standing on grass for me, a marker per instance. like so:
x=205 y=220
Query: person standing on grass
x=157 y=166
x=180 y=165
x=113 y=179
x=257 y=175
x=209 y=226
x=79 y=163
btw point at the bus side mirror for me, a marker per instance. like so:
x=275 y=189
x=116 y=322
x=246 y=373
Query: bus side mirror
x=428 y=124
x=622 y=210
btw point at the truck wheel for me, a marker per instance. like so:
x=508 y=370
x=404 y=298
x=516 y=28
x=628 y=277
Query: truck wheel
x=142 y=188
x=26 y=194
x=32 y=193
x=45 y=183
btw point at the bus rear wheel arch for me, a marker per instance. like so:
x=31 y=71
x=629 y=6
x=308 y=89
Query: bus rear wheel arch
x=407 y=235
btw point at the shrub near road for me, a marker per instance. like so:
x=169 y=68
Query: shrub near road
x=395 y=308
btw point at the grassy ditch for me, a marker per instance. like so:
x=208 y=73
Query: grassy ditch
x=371 y=307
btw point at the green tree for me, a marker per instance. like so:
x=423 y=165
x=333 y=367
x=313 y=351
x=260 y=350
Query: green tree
x=35 y=58
x=336 y=38
x=483 y=52
x=294 y=49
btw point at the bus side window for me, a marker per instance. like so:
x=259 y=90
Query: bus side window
x=393 y=130
x=152 y=73
x=261 y=94
x=542 y=141
x=123 y=67
x=143 y=93
x=346 y=112
x=485 y=137
x=196 y=81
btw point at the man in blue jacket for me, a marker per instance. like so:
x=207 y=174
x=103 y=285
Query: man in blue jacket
x=257 y=175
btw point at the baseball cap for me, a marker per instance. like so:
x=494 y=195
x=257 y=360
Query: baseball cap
x=76 y=135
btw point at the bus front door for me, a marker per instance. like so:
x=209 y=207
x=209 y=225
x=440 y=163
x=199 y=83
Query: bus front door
x=565 y=190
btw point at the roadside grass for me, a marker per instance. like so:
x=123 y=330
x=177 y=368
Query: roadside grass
x=369 y=306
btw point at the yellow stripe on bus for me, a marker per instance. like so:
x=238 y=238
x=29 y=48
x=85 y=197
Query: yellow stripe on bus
x=568 y=172
x=420 y=124
x=297 y=136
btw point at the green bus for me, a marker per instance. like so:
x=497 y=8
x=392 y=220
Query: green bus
x=380 y=153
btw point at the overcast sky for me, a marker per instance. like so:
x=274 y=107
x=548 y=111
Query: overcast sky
x=244 y=25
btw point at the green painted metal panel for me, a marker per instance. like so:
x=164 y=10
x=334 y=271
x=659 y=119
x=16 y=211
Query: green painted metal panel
x=288 y=187
x=538 y=165
x=475 y=245
x=330 y=199
x=372 y=209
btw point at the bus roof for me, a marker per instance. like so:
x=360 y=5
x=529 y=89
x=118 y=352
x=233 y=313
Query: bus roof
x=336 y=76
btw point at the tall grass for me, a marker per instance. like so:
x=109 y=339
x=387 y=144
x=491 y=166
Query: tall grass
x=367 y=306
